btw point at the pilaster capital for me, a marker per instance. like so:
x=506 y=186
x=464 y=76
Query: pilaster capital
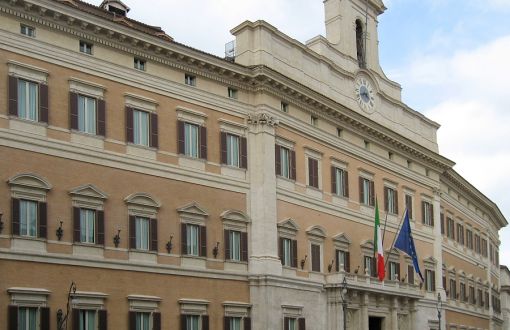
x=262 y=119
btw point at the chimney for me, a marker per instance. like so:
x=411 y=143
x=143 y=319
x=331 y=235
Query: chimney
x=115 y=6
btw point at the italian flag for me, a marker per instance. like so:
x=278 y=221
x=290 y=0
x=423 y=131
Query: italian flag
x=378 y=246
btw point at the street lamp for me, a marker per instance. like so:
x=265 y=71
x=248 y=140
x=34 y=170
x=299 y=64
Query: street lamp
x=439 y=306
x=343 y=296
x=61 y=318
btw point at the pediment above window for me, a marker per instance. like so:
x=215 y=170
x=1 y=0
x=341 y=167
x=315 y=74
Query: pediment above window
x=341 y=241
x=316 y=232
x=393 y=254
x=193 y=209
x=29 y=180
x=287 y=227
x=90 y=191
x=233 y=219
x=142 y=204
x=367 y=244
x=430 y=262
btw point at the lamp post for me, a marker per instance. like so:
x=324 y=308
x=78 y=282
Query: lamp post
x=439 y=306
x=61 y=318
x=343 y=296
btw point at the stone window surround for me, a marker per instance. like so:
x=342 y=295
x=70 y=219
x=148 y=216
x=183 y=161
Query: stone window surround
x=335 y=162
x=29 y=297
x=28 y=72
x=285 y=143
x=236 y=309
x=193 y=213
x=88 y=300
x=88 y=196
x=140 y=102
x=317 y=155
x=341 y=242
x=292 y=311
x=86 y=88
x=193 y=306
x=365 y=174
x=235 y=220
x=232 y=127
x=141 y=303
x=29 y=186
x=287 y=228
x=191 y=116
x=142 y=204
x=316 y=235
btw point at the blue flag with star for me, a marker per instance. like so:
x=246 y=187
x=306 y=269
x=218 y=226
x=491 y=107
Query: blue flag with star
x=405 y=243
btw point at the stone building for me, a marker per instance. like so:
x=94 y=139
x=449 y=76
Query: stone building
x=146 y=184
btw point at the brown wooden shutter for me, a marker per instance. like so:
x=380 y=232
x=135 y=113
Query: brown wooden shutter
x=333 y=181
x=434 y=281
x=347 y=261
x=76 y=225
x=410 y=274
x=223 y=147
x=398 y=270
x=183 y=322
x=100 y=227
x=13 y=96
x=372 y=193
x=280 y=249
x=337 y=260
x=244 y=152
x=203 y=142
x=205 y=322
x=130 y=134
x=346 y=183
x=226 y=322
x=316 y=258
x=132 y=232
x=101 y=118
x=409 y=206
x=184 y=243
x=154 y=142
x=441 y=217
x=286 y=322
x=373 y=270
x=43 y=103
x=316 y=173
x=73 y=107
x=180 y=136
x=43 y=220
x=244 y=246
x=432 y=214
x=294 y=253
x=423 y=212
x=132 y=320
x=154 y=234
x=102 y=319
x=15 y=216
x=227 y=244
x=76 y=319
x=301 y=323
x=45 y=318
x=361 y=190
x=311 y=169
x=13 y=317
x=292 y=164
x=396 y=202
x=277 y=160
x=386 y=204
x=156 y=321
x=247 y=323
x=203 y=241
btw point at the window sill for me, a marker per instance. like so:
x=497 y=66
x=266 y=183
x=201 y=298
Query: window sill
x=28 y=243
x=141 y=151
x=88 y=250
x=193 y=261
x=143 y=256
x=236 y=265
x=192 y=162
x=28 y=126
x=87 y=139
x=233 y=171
x=285 y=183
x=314 y=192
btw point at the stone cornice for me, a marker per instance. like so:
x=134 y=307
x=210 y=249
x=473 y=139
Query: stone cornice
x=83 y=25
x=452 y=178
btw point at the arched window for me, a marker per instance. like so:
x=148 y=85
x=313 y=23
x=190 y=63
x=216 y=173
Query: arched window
x=360 y=44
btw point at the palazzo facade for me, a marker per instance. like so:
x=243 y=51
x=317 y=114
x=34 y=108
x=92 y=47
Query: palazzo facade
x=145 y=184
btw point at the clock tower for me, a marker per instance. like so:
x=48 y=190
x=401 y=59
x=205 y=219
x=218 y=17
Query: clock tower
x=351 y=28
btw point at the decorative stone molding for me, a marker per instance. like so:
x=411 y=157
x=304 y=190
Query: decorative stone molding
x=236 y=309
x=86 y=88
x=88 y=196
x=191 y=116
x=142 y=204
x=287 y=228
x=29 y=72
x=88 y=300
x=194 y=306
x=193 y=213
x=292 y=311
x=316 y=232
x=342 y=242
x=262 y=118
x=28 y=296
x=140 y=102
x=29 y=186
x=235 y=220
x=143 y=303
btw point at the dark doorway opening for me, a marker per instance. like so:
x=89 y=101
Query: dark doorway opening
x=375 y=323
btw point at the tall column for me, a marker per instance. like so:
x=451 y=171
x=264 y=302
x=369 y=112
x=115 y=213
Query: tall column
x=262 y=200
x=364 y=300
x=438 y=251
x=394 y=313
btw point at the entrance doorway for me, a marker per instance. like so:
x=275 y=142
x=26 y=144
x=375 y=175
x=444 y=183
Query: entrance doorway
x=375 y=323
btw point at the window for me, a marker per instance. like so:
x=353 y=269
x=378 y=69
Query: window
x=27 y=318
x=343 y=261
x=190 y=80
x=315 y=250
x=469 y=239
x=339 y=182
x=480 y=298
x=314 y=121
x=27 y=30
x=390 y=200
x=28 y=100
x=313 y=172
x=430 y=280
x=141 y=127
x=366 y=191
x=460 y=234
x=236 y=245
x=232 y=93
x=290 y=323
x=428 y=213
x=453 y=289
x=234 y=150
x=441 y=218
x=142 y=321
x=28 y=218
x=367 y=144
x=410 y=274
x=139 y=64
x=192 y=322
x=339 y=132
x=285 y=162
x=194 y=240
x=142 y=233
x=284 y=107
x=360 y=45
x=477 y=243
x=450 y=228
x=471 y=295
x=193 y=140
x=409 y=205
x=87 y=118
x=235 y=323
x=87 y=319
x=86 y=47
x=288 y=252
x=462 y=290
x=486 y=300
x=369 y=265
x=394 y=271
x=484 y=247
x=191 y=145
x=87 y=226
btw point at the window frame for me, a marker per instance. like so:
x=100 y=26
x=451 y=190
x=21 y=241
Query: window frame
x=86 y=47
x=29 y=30
x=24 y=114
x=190 y=80
x=139 y=64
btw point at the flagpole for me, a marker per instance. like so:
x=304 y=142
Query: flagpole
x=395 y=238
x=385 y=223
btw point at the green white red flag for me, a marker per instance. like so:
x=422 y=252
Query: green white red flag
x=378 y=246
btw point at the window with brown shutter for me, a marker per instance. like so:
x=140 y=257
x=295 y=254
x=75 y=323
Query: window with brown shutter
x=226 y=243
x=316 y=257
x=184 y=243
x=441 y=217
x=203 y=142
x=205 y=322
x=226 y=322
x=73 y=106
x=132 y=320
x=132 y=232
x=75 y=313
x=43 y=103
x=277 y=163
x=203 y=241
x=333 y=180
x=130 y=136
x=301 y=323
x=13 y=317
x=100 y=227
x=244 y=246
x=180 y=137
x=101 y=118
x=372 y=193
x=15 y=216
x=156 y=321
x=280 y=249
x=13 y=96
x=154 y=234
x=409 y=205
x=102 y=319
x=410 y=274
x=154 y=142
x=45 y=318
x=244 y=152
x=294 y=253
x=76 y=225
x=223 y=148
x=247 y=323
x=292 y=165
x=42 y=220
x=313 y=175
x=361 y=190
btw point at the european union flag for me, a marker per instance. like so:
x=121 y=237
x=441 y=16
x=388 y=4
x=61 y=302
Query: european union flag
x=405 y=243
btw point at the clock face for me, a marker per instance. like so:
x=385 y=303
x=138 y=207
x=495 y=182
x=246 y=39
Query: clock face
x=365 y=94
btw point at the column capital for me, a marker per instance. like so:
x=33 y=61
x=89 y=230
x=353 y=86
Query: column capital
x=263 y=119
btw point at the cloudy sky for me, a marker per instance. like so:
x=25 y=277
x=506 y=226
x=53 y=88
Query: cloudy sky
x=451 y=57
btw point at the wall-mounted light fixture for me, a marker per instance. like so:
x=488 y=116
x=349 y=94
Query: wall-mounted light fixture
x=1 y=223
x=60 y=231
x=303 y=261
x=116 y=239
x=61 y=318
x=216 y=250
x=330 y=266
x=169 y=244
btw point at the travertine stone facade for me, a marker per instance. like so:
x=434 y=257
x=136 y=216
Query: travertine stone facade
x=179 y=190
